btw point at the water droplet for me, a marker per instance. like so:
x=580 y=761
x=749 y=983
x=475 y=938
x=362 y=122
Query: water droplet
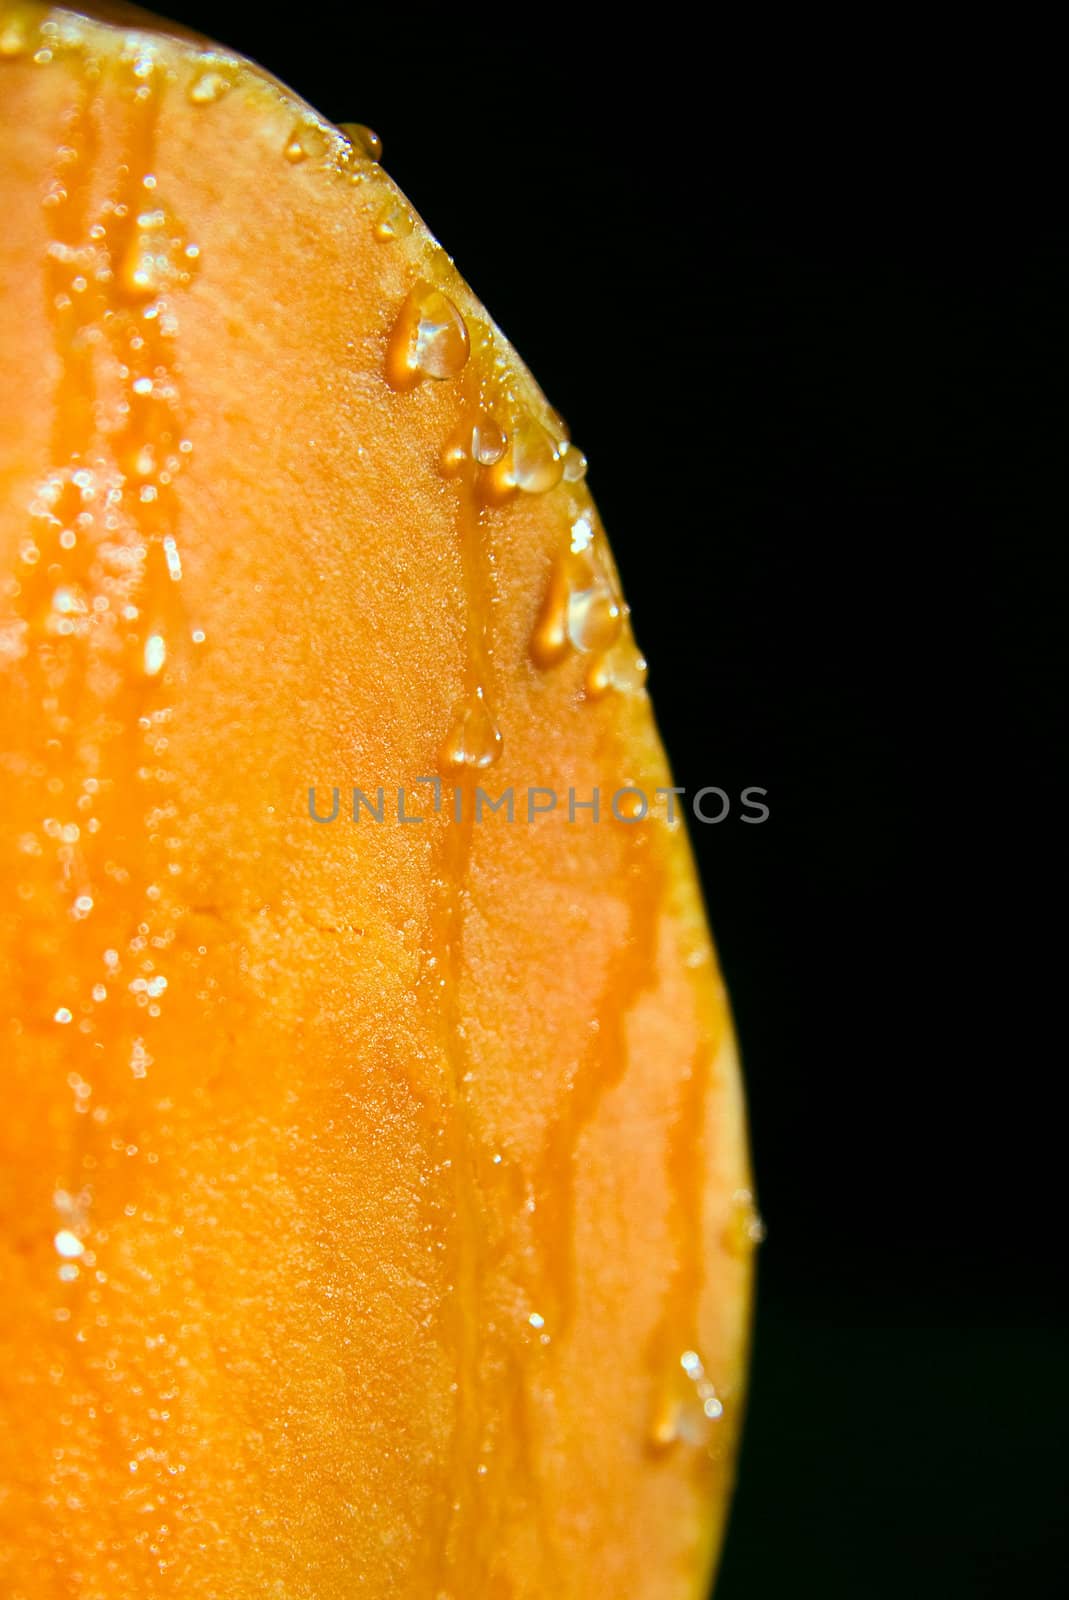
x=484 y=442
x=575 y=465
x=744 y=1229
x=536 y=467
x=549 y=642
x=307 y=141
x=155 y=654
x=622 y=669
x=429 y=339
x=533 y=463
x=582 y=609
x=208 y=87
x=594 y=617
x=363 y=139
x=474 y=740
x=68 y=1244
x=489 y=441
x=63 y=1015
x=536 y=1320
x=687 y=1407
x=174 y=560
x=393 y=222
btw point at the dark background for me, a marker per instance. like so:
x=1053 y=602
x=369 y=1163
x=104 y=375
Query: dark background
x=809 y=323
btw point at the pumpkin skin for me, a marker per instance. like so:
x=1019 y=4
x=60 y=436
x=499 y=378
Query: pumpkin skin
x=375 y=1210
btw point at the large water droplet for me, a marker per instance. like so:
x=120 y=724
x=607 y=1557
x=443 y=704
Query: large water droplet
x=536 y=464
x=575 y=465
x=429 y=339
x=594 y=616
x=365 y=140
x=474 y=741
x=582 y=609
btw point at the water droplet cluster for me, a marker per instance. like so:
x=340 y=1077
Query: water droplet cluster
x=501 y=449
x=93 y=625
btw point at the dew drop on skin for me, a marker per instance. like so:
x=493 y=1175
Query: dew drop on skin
x=482 y=442
x=623 y=669
x=489 y=441
x=575 y=465
x=582 y=609
x=474 y=740
x=429 y=339
x=594 y=618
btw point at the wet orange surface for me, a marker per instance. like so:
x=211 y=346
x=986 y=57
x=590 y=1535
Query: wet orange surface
x=375 y=1205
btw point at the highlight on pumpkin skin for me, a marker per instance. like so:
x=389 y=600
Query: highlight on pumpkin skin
x=374 y=1205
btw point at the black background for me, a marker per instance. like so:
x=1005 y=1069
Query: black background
x=808 y=321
